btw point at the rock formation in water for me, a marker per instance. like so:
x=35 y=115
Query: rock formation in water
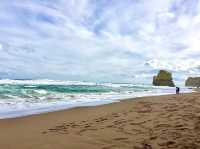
x=193 y=82
x=164 y=78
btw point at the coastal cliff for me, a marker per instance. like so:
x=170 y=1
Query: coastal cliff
x=193 y=82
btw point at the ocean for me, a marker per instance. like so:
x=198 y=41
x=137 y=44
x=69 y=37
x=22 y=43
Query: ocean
x=27 y=97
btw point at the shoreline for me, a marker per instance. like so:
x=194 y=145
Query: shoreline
x=87 y=106
x=30 y=97
x=64 y=106
x=167 y=121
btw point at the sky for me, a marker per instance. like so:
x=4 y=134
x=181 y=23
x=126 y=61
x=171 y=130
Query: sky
x=99 y=40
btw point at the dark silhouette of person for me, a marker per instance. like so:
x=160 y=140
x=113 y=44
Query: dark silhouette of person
x=177 y=90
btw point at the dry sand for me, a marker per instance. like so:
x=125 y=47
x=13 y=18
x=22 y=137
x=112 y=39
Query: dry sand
x=147 y=123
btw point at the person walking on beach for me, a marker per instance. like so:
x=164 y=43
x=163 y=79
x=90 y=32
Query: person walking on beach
x=177 y=90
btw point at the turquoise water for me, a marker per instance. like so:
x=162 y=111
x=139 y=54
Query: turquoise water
x=18 y=98
x=34 y=91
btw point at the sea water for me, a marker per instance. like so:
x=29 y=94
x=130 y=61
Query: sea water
x=26 y=97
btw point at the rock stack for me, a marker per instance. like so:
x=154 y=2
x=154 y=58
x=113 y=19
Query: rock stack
x=193 y=82
x=164 y=78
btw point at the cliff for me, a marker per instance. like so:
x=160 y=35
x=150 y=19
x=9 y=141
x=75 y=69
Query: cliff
x=193 y=82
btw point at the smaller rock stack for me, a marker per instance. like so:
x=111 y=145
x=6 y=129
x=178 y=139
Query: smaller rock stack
x=193 y=82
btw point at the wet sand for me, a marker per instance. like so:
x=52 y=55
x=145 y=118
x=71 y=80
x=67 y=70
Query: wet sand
x=171 y=121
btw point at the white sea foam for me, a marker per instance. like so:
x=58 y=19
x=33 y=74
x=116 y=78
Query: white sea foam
x=41 y=91
x=31 y=83
x=44 y=82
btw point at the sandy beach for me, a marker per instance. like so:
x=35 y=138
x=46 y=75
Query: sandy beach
x=170 y=121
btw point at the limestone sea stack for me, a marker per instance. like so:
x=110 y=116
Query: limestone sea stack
x=193 y=82
x=163 y=78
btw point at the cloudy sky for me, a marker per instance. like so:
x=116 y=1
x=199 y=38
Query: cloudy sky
x=99 y=40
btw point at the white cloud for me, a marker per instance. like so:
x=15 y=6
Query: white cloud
x=96 y=40
x=1 y=47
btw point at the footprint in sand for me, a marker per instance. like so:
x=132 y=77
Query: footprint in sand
x=124 y=140
x=109 y=147
x=169 y=144
x=143 y=146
